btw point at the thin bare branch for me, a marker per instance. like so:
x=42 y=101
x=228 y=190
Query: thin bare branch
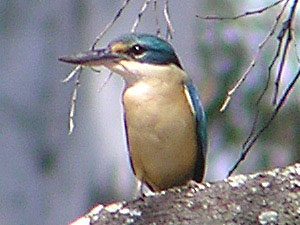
x=253 y=62
x=248 y=13
x=253 y=128
x=158 y=32
x=240 y=81
x=267 y=124
x=77 y=70
x=170 y=29
x=225 y=103
x=281 y=64
x=142 y=11
x=73 y=103
x=257 y=111
x=72 y=74
x=296 y=52
x=276 y=56
x=278 y=17
x=111 y=23
x=271 y=33
x=287 y=28
x=105 y=82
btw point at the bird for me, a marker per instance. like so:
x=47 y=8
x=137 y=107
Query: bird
x=164 y=119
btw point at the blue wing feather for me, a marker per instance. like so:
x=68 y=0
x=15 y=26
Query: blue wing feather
x=200 y=131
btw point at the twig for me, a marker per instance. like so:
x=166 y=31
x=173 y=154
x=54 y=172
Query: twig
x=156 y=18
x=110 y=24
x=278 y=17
x=253 y=62
x=279 y=45
x=73 y=103
x=282 y=62
x=240 y=81
x=266 y=125
x=271 y=33
x=253 y=128
x=257 y=111
x=286 y=28
x=251 y=140
x=249 y=13
x=77 y=70
x=138 y=19
x=296 y=52
x=105 y=82
x=170 y=29
x=72 y=74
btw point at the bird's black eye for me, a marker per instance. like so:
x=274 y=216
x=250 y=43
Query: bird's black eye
x=136 y=50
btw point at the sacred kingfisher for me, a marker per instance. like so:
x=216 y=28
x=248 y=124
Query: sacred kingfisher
x=164 y=119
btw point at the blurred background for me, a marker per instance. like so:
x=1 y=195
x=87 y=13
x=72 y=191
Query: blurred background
x=48 y=177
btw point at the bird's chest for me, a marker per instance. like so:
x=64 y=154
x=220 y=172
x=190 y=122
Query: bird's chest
x=160 y=132
x=155 y=106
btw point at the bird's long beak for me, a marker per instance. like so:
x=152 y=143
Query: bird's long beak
x=92 y=58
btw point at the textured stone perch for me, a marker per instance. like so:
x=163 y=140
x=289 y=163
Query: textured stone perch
x=269 y=197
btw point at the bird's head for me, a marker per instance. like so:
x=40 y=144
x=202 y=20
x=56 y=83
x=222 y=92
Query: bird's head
x=133 y=56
